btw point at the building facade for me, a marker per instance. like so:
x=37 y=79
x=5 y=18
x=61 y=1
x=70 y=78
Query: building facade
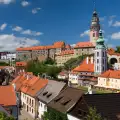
x=109 y=80
x=100 y=56
x=36 y=52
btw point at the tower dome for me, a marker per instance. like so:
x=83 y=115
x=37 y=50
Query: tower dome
x=100 y=39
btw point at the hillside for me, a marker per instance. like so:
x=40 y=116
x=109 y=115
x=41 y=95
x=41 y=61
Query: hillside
x=74 y=62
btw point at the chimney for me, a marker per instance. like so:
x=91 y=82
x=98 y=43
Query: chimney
x=91 y=60
x=23 y=70
x=27 y=77
x=87 y=60
x=39 y=75
x=89 y=89
x=14 y=86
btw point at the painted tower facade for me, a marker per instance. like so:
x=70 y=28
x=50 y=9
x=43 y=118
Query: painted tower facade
x=94 y=28
x=100 y=55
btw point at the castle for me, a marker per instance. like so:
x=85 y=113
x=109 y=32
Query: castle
x=60 y=52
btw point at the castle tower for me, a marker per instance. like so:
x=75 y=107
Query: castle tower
x=94 y=28
x=100 y=55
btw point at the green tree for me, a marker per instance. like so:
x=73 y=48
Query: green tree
x=117 y=49
x=3 y=116
x=49 y=61
x=73 y=62
x=93 y=115
x=41 y=67
x=52 y=114
x=4 y=64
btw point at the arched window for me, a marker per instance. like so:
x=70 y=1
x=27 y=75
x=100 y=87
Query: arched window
x=93 y=34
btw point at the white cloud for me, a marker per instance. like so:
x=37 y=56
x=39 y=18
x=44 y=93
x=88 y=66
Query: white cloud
x=85 y=33
x=29 y=32
x=25 y=3
x=3 y=26
x=11 y=42
x=115 y=36
x=102 y=18
x=116 y=24
x=17 y=28
x=6 y=1
x=110 y=22
x=112 y=16
x=35 y=10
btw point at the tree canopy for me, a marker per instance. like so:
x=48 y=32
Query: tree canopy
x=41 y=68
x=73 y=62
x=118 y=49
x=52 y=114
x=3 y=116
x=93 y=115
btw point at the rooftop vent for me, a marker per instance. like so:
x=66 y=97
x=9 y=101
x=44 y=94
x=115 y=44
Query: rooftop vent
x=58 y=99
x=49 y=95
x=45 y=93
x=66 y=102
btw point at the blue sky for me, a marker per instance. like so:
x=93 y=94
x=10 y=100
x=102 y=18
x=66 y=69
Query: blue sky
x=33 y=22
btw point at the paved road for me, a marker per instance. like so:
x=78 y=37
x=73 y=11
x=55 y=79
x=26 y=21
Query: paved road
x=24 y=116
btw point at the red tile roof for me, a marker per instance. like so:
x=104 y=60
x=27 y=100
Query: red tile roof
x=111 y=74
x=58 y=44
x=84 y=45
x=29 y=84
x=37 y=86
x=84 y=67
x=21 y=64
x=7 y=95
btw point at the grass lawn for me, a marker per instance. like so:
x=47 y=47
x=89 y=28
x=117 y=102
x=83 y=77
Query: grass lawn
x=85 y=89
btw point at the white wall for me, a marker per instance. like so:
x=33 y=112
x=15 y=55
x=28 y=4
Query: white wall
x=9 y=56
x=112 y=82
x=73 y=78
x=41 y=109
x=117 y=66
x=70 y=117
x=32 y=109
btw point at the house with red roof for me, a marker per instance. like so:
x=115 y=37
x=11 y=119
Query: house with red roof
x=63 y=75
x=27 y=86
x=8 y=100
x=109 y=80
x=83 y=74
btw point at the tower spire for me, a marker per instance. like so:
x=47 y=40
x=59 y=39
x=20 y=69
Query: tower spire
x=94 y=5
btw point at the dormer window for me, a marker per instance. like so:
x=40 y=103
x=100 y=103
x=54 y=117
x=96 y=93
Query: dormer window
x=58 y=99
x=49 y=95
x=45 y=93
x=65 y=102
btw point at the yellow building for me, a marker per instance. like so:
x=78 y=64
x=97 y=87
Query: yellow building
x=64 y=56
x=109 y=80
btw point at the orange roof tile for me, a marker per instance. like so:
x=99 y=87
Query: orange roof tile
x=58 y=44
x=2 y=67
x=19 y=81
x=37 y=86
x=8 y=96
x=84 y=67
x=84 y=44
x=21 y=63
x=29 y=84
x=111 y=74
